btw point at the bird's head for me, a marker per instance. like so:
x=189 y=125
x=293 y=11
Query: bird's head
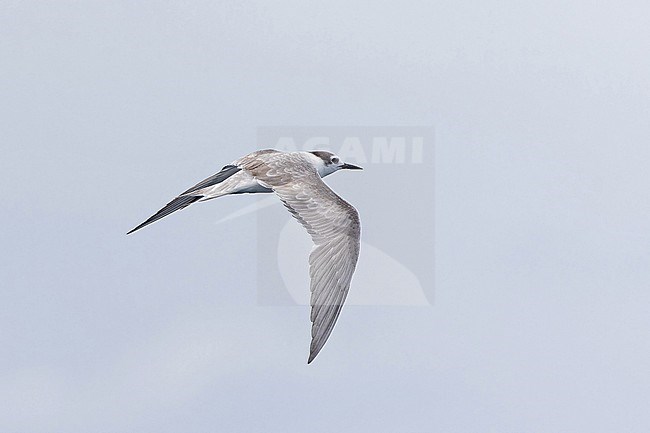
x=327 y=163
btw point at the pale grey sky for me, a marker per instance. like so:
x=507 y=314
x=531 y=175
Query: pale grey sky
x=540 y=317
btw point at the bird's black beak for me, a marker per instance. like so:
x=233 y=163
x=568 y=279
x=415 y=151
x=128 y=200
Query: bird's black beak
x=351 y=167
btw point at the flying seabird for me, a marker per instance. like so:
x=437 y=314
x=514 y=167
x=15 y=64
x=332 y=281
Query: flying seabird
x=333 y=223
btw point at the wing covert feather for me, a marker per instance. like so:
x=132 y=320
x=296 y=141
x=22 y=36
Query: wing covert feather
x=332 y=223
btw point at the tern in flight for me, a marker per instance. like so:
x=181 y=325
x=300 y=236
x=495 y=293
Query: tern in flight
x=333 y=223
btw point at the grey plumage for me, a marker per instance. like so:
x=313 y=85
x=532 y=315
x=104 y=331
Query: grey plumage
x=332 y=223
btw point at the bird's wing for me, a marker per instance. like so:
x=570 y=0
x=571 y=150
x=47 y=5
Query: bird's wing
x=190 y=196
x=196 y=193
x=334 y=228
x=224 y=174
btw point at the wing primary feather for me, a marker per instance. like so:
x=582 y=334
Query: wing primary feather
x=334 y=227
x=177 y=204
x=224 y=174
x=187 y=198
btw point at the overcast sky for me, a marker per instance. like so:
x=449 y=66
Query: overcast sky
x=530 y=308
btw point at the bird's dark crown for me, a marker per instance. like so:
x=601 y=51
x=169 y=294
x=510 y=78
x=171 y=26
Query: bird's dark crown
x=324 y=155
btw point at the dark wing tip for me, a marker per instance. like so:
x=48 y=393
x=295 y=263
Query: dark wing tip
x=185 y=200
x=174 y=205
x=315 y=347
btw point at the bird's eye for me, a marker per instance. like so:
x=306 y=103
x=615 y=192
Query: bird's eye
x=335 y=160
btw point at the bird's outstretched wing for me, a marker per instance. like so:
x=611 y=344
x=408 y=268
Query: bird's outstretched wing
x=334 y=228
x=190 y=196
